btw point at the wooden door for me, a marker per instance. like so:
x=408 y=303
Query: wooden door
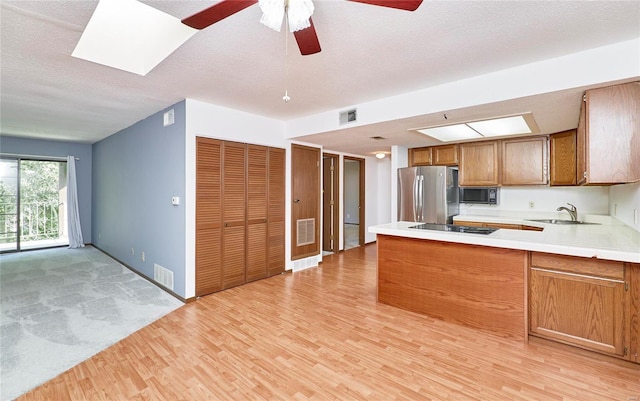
x=330 y=210
x=276 y=212
x=524 y=161
x=479 y=164
x=208 y=216
x=234 y=214
x=305 y=193
x=257 y=205
x=562 y=159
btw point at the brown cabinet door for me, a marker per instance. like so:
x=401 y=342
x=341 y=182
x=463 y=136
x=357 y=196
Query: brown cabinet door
x=234 y=214
x=445 y=155
x=208 y=216
x=562 y=160
x=577 y=309
x=479 y=164
x=613 y=134
x=524 y=161
x=257 y=205
x=276 y=212
x=420 y=157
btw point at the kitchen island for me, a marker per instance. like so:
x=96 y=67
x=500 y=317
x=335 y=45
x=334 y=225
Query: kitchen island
x=582 y=288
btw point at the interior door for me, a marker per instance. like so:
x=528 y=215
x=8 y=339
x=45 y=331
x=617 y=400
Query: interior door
x=257 y=203
x=208 y=216
x=330 y=202
x=234 y=214
x=305 y=193
x=354 y=199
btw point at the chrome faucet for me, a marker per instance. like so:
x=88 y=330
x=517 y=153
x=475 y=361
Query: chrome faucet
x=573 y=211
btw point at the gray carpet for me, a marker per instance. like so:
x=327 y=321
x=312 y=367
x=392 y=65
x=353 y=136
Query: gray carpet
x=61 y=306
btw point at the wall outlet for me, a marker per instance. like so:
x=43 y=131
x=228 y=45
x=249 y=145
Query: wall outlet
x=532 y=204
x=635 y=216
x=133 y=252
x=142 y=256
x=615 y=209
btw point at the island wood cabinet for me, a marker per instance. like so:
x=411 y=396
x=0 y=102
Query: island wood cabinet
x=579 y=301
x=608 y=137
x=562 y=158
x=479 y=164
x=239 y=213
x=524 y=161
x=445 y=155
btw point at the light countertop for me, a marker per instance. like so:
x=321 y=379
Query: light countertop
x=610 y=239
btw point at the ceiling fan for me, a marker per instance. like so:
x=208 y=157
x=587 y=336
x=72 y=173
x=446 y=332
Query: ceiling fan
x=135 y=37
x=306 y=38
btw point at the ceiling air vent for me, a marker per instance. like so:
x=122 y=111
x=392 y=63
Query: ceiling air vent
x=348 y=116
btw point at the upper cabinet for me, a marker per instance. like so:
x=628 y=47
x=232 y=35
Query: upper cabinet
x=445 y=155
x=479 y=164
x=524 y=161
x=420 y=157
x=562 y=158
x=608 y=137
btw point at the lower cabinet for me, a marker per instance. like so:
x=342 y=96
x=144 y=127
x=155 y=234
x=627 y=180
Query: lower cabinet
x=579 y=301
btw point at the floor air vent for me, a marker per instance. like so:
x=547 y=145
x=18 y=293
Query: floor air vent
x=163 y=276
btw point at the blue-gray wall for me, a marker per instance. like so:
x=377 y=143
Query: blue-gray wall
x=57 y=149
x=136 y=172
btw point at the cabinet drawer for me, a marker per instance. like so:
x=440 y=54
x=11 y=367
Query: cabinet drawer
x=572 y=264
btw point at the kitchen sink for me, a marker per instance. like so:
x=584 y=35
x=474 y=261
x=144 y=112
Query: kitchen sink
x=559 y=221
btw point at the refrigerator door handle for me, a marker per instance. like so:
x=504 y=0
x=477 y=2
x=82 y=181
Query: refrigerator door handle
x=420 y=198
x=416 y=186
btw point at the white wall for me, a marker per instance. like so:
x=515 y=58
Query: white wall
x=603 y=64
x=591 y=200
x=624 y=204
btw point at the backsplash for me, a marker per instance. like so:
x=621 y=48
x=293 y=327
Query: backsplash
x=591 y=200
x=623 y=200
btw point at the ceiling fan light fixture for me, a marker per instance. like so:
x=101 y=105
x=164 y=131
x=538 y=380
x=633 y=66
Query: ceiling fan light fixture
x=298 y=13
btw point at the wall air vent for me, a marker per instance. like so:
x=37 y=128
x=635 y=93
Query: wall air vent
x=348 y=116
x=163 y=276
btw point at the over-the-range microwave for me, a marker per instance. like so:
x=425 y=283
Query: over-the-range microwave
x=480 y=195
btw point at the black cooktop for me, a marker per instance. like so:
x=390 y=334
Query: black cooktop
x=455 y=228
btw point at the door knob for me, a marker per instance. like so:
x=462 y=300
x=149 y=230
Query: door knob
x=296 y=201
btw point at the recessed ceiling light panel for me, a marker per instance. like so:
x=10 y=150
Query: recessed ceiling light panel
x=500 y=126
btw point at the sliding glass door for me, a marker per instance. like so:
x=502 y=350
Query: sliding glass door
x=33 y=195
x=9 y=205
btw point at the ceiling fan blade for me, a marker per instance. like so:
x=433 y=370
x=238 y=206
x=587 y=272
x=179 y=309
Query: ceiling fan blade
x=408 y=5
x=216 y=13
x=307 y=40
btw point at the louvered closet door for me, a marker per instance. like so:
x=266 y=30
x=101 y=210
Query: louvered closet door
x=257 y=177
x=208 y=216
x=276 y=213
x=234 y=214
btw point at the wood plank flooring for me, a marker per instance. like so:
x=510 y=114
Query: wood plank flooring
x=320 y=335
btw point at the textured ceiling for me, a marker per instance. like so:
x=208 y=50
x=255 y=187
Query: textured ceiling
x=367 y=53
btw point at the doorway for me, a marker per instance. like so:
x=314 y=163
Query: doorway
x=330 y=203
x=33 y=204
x=354 y=223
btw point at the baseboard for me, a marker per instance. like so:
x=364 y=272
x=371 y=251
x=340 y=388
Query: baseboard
x=168 y=291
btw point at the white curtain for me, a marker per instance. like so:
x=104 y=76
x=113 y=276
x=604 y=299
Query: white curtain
x=73 y=213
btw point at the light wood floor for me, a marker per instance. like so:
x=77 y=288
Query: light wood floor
x=319 y=334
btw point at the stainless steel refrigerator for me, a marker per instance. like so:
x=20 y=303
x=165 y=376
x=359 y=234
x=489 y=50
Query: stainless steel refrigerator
x=428 y=194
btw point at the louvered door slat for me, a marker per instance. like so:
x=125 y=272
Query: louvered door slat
x=208 y=216
x=276 y=212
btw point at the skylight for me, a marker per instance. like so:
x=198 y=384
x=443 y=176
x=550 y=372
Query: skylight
x=502 y=126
